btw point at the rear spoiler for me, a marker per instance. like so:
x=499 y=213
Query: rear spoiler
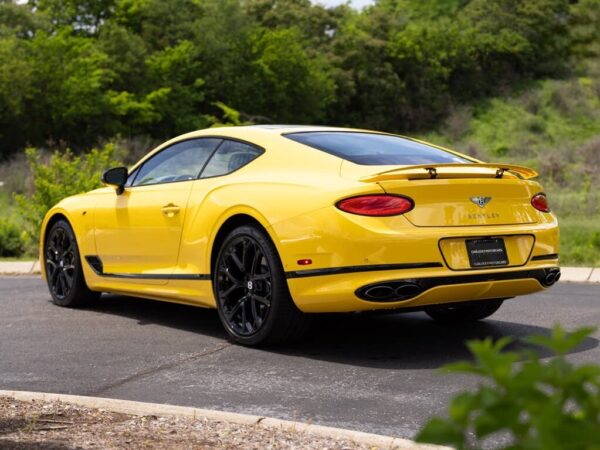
x=461 y=170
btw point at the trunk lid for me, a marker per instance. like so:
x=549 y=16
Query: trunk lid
x=448 y=195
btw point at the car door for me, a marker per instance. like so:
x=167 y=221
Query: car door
x=138 y=233
x=229 y=157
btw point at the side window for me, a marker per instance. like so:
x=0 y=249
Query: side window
x=230 y=156
x=179 y=162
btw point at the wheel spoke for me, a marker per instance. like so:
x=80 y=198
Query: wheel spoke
x=237 y=261
x=67 y=249
x=254 y=266
x=255 y=316
x=68 y=279
x=230 y=289
x=244 y=316
x=225 y=270
x=262 y=276
x=60 y=285
x=263 y=300
x=237 y=306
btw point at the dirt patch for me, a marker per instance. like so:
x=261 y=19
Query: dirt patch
x=59 y=426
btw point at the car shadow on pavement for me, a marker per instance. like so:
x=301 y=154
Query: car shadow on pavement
x=392 y=341
x=172 y=315
x=409 y=340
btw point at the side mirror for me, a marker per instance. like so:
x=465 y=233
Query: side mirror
x=117 y=177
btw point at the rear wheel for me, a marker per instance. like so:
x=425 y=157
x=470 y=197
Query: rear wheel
x=64 y=273
x=251 y=291
x=464 y=312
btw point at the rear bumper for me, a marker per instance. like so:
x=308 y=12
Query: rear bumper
x=350 y=292
x=406 y=289
x=349 y=253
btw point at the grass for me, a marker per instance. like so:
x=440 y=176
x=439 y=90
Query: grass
x=580 y=241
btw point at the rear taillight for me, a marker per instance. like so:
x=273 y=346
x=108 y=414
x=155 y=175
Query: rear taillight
x=540 y=202
x=376 y=205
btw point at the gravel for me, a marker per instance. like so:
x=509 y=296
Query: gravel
x=60 y=426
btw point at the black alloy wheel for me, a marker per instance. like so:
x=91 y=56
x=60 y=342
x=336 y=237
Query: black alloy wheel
x=64 y=273
x=252 y=296
x=244 y=285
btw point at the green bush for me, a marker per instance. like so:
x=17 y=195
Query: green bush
x=533 y=404
x=61 y=176
x=11 y=242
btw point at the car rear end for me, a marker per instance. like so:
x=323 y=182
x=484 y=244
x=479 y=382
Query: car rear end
x=444 y=231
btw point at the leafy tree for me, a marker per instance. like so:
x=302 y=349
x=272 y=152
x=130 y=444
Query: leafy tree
x=75 y=72
x=289 y=85
x=82 y=16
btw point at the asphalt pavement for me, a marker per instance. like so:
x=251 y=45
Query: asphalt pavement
x=373 y=373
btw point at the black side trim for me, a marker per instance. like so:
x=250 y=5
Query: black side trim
x=393 y=286
x=96 y=264
x=353 y=269
x=543 y=257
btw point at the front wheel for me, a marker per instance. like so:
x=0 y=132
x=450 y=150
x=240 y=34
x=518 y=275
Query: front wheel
x=64 y=273
x=251 y=291
x=464 y=312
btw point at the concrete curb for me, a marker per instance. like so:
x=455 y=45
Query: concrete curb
x=19 y=267
x=375 y=441
x=569 y=274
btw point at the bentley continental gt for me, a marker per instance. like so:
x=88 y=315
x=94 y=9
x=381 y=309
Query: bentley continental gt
x=271 y=224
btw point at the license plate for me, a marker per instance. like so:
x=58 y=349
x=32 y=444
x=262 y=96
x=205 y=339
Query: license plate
x=487 y=252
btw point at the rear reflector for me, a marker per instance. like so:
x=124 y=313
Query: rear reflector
x=376 y=205
x=540 y=202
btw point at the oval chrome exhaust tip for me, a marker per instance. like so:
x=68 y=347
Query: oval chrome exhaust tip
x=392 y=291
x=380 y=291
x=408 y=290
x=552 y=276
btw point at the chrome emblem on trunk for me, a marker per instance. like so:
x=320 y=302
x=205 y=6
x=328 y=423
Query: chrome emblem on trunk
x=481 y=201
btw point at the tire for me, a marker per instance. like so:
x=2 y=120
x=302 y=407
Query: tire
x=465 y=312
x=253 y=299
x=64 y=273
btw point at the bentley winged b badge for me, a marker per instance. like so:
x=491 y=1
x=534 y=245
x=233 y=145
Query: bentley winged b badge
x=481 y=201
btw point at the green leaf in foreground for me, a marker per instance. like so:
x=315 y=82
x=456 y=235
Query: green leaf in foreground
x=523 y=401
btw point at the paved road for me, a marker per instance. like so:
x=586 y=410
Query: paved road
x=364 y=372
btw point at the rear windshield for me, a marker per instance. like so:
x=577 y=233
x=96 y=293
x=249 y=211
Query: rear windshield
x=374 y=149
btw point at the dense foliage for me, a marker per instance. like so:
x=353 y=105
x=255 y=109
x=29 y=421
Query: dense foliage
x=73 y=72
x=532 y=404
x=11 y=239
x=61 y=176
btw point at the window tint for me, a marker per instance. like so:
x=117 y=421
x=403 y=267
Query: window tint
x=230 y=156
x=180 y=162
x=374 y=149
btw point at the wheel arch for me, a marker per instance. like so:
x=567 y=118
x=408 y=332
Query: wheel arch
x=231 y=223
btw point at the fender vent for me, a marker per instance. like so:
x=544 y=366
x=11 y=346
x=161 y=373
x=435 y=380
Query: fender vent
x=96 y=263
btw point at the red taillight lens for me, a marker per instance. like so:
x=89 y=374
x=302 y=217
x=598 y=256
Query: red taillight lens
x=376 y=205
x=540 y=202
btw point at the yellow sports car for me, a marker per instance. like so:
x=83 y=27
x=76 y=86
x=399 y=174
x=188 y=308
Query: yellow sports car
x=271 y=223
